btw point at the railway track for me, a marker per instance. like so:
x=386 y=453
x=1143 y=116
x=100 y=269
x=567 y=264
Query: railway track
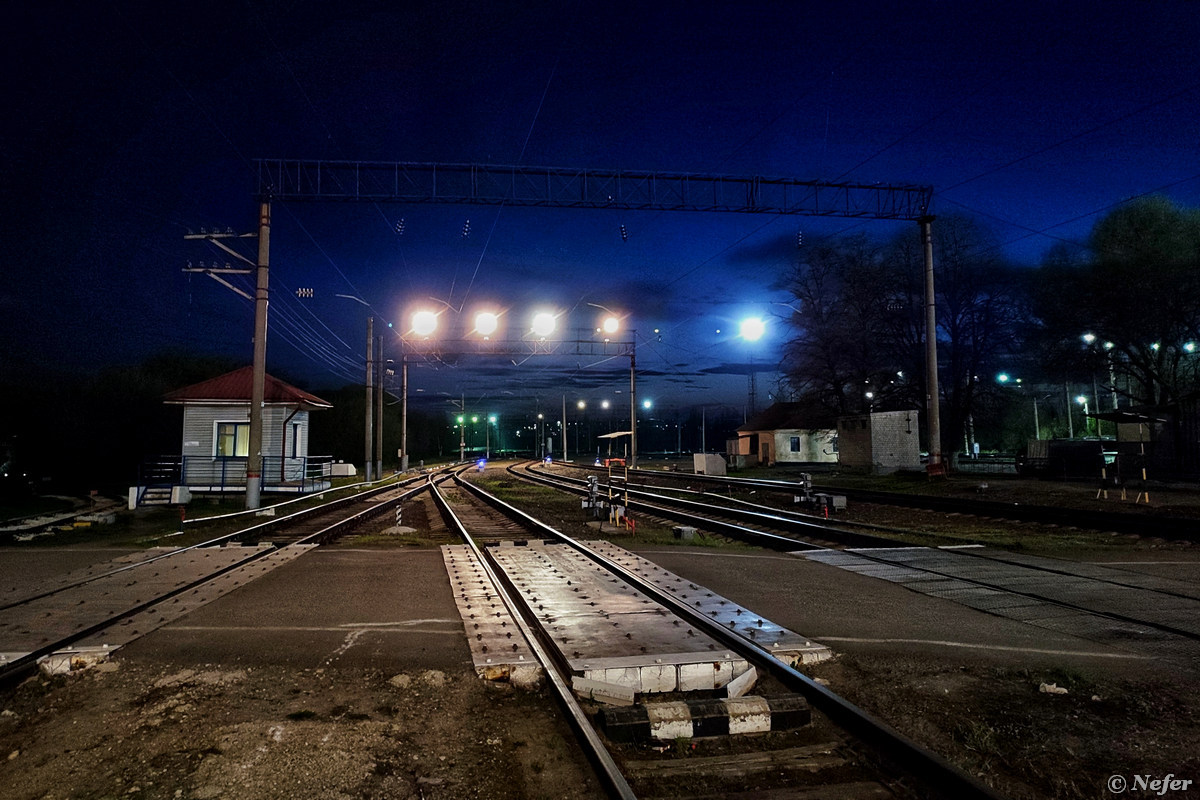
x=1140 y=524
x=86 y=614
x=842 y=750
x=1150 y=615
x=563 y=594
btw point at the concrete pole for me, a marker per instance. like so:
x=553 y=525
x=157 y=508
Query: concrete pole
x=564 y=427
x=633 y=453
x=381 y=368
x=931 y=362
x=404 y=414
x=368 y=460
x=1070 y=418
x=254 y=464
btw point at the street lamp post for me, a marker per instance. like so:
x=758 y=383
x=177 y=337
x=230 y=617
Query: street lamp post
x=564 y=426
x=581 y=405
x=610 y=326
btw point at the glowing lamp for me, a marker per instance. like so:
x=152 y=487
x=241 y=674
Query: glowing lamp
x=424 y=323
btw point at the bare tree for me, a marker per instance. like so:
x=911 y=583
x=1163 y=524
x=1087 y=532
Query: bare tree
x=858 y=318
x=843 y=309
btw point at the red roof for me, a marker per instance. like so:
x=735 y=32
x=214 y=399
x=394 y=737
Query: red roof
x=237 y=386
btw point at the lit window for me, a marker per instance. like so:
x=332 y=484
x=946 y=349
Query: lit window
x=233 y=439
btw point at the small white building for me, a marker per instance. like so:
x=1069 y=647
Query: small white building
x=880 y=442
x=786 y=433
x=216 y=442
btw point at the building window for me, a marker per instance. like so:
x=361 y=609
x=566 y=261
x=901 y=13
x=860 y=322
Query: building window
x=295 y=440
x=795 y=444
x=233 y=439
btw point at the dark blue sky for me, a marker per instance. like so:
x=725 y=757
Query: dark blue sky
x=127 y=125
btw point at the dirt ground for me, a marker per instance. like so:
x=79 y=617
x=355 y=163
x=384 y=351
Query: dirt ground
x=998 y=724
x=133 y=729
x=129 y=730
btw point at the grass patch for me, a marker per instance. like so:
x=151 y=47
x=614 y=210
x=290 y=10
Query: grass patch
x=414 y=539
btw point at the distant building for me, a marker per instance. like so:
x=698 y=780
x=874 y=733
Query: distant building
x=880 y=442
x=786 y=433
x=216 y=442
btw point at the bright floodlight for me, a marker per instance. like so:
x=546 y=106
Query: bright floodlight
x=646 y=404
x=610 y=325
x=486 y=323
x=752 y=329
x=1002 y=377
x=543 y=324
x=424 y=323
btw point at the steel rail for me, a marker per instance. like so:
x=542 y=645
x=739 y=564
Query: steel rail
x=944 y=778
x=1120 y=521
x=21 y=666
x=214 y=542
x=597 y=753
x=761 y=538
x=774 y=541
x=366 y=515
x=26 y=663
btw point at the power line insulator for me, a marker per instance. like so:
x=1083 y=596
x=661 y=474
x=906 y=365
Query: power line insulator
x=400 y=227
x=624 y=234
x=466 y=231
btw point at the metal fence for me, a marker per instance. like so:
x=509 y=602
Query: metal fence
x=213 y=474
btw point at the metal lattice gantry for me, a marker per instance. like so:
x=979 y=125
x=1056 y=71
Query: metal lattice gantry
x=557 y=187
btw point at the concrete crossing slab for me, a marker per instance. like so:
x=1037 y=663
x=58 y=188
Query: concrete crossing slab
x=607 y=632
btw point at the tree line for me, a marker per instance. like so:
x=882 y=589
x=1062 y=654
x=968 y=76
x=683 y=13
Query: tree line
x=1118 y=314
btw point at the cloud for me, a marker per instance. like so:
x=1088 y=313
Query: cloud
x=736 y=369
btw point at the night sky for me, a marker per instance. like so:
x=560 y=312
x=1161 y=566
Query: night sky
x=128 y=125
